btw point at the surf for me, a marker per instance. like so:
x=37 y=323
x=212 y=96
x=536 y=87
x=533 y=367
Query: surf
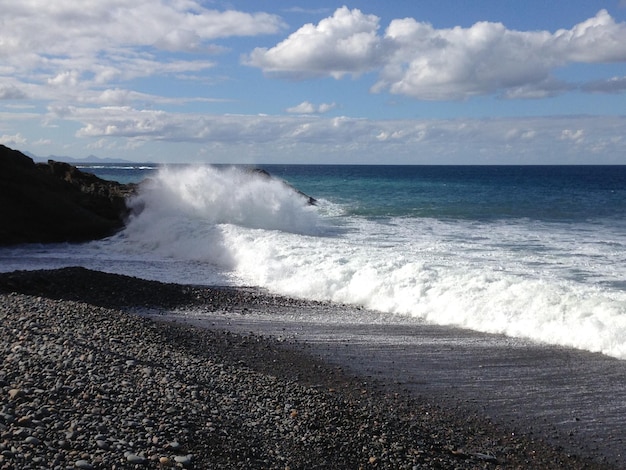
x=557 y=281
x=499 y=277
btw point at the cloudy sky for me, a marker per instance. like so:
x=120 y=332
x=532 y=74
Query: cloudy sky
x=416 y=82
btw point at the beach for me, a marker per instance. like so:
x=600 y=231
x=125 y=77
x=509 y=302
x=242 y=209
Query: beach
x=110 y=371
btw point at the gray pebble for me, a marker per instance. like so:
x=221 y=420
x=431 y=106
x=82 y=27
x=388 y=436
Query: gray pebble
x=173 y=445
x=103 y=444
x=136 y=459
x=184 y=460
x=32 y=440
x=83 y=464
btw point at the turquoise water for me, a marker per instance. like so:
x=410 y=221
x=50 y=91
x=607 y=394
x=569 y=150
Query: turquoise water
x=551 y=193
x=555 y=193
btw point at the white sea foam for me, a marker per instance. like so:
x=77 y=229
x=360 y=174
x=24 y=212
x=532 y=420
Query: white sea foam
x=209 y=195
x=553 y=283
x=434 y=281
x=521 y=279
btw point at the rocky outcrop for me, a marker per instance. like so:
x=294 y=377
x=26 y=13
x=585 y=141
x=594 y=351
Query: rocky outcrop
x=56 y=202
x=265 y=174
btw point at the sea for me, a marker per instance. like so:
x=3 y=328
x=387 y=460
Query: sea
x=534 y=252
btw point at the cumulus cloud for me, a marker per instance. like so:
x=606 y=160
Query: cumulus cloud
x=65 y=44
x=67 y=27
x=87 y=62
x=346 y=43
x=597 y=40
x=415 y=59
x=15 y=140
x=307 y=107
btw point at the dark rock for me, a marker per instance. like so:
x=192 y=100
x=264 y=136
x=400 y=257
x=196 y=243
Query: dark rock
x=265 y=174
x=56 y=202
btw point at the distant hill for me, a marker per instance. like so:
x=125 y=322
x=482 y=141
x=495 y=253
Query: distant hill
x=91 y=159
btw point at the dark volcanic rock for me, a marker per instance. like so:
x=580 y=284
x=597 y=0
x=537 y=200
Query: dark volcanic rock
x=310 y=200
x=56 y=202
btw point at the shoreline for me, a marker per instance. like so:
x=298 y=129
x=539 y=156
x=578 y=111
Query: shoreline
x=238 y=395
x=571 y=399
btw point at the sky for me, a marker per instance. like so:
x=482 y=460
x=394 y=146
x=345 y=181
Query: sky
x=364 y=82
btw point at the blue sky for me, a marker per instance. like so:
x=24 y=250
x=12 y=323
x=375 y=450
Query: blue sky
x=412 y=82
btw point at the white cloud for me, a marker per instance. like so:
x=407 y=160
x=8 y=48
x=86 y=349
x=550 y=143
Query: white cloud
x=325 y=107
x=310 y=11
x=576 y=136
x=346 y=43
x=11 y=92
x=15 y=140
x=124 y=97
x=65 y=43
x=303 y=108
x=516 y=134
x=415 y=59
x=70 y=28
x=460 y=62
x=343 y=139
x=597 y=40
x=65 y=79
x=538 y=90
x=307 y=107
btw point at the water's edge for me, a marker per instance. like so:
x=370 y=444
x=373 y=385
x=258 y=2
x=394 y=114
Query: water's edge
x=572 y=399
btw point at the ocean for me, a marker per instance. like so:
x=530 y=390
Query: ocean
x=535 y=252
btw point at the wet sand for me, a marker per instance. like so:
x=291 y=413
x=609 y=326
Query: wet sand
x=572 y=399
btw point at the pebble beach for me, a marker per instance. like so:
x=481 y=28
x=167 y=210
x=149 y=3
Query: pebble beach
x=92 y=377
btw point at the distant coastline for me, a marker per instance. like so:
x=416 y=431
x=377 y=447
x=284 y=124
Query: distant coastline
x=91 y=159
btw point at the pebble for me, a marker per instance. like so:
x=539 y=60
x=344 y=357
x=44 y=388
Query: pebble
x=83 y=464
x=15 y=393
x=136 y=459
x=184 y=460
x=107 y=387
x=23 y=421
x=103 y=444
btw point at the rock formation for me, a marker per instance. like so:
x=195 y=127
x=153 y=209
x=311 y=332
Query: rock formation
x=56 y=202
x=265 y=174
